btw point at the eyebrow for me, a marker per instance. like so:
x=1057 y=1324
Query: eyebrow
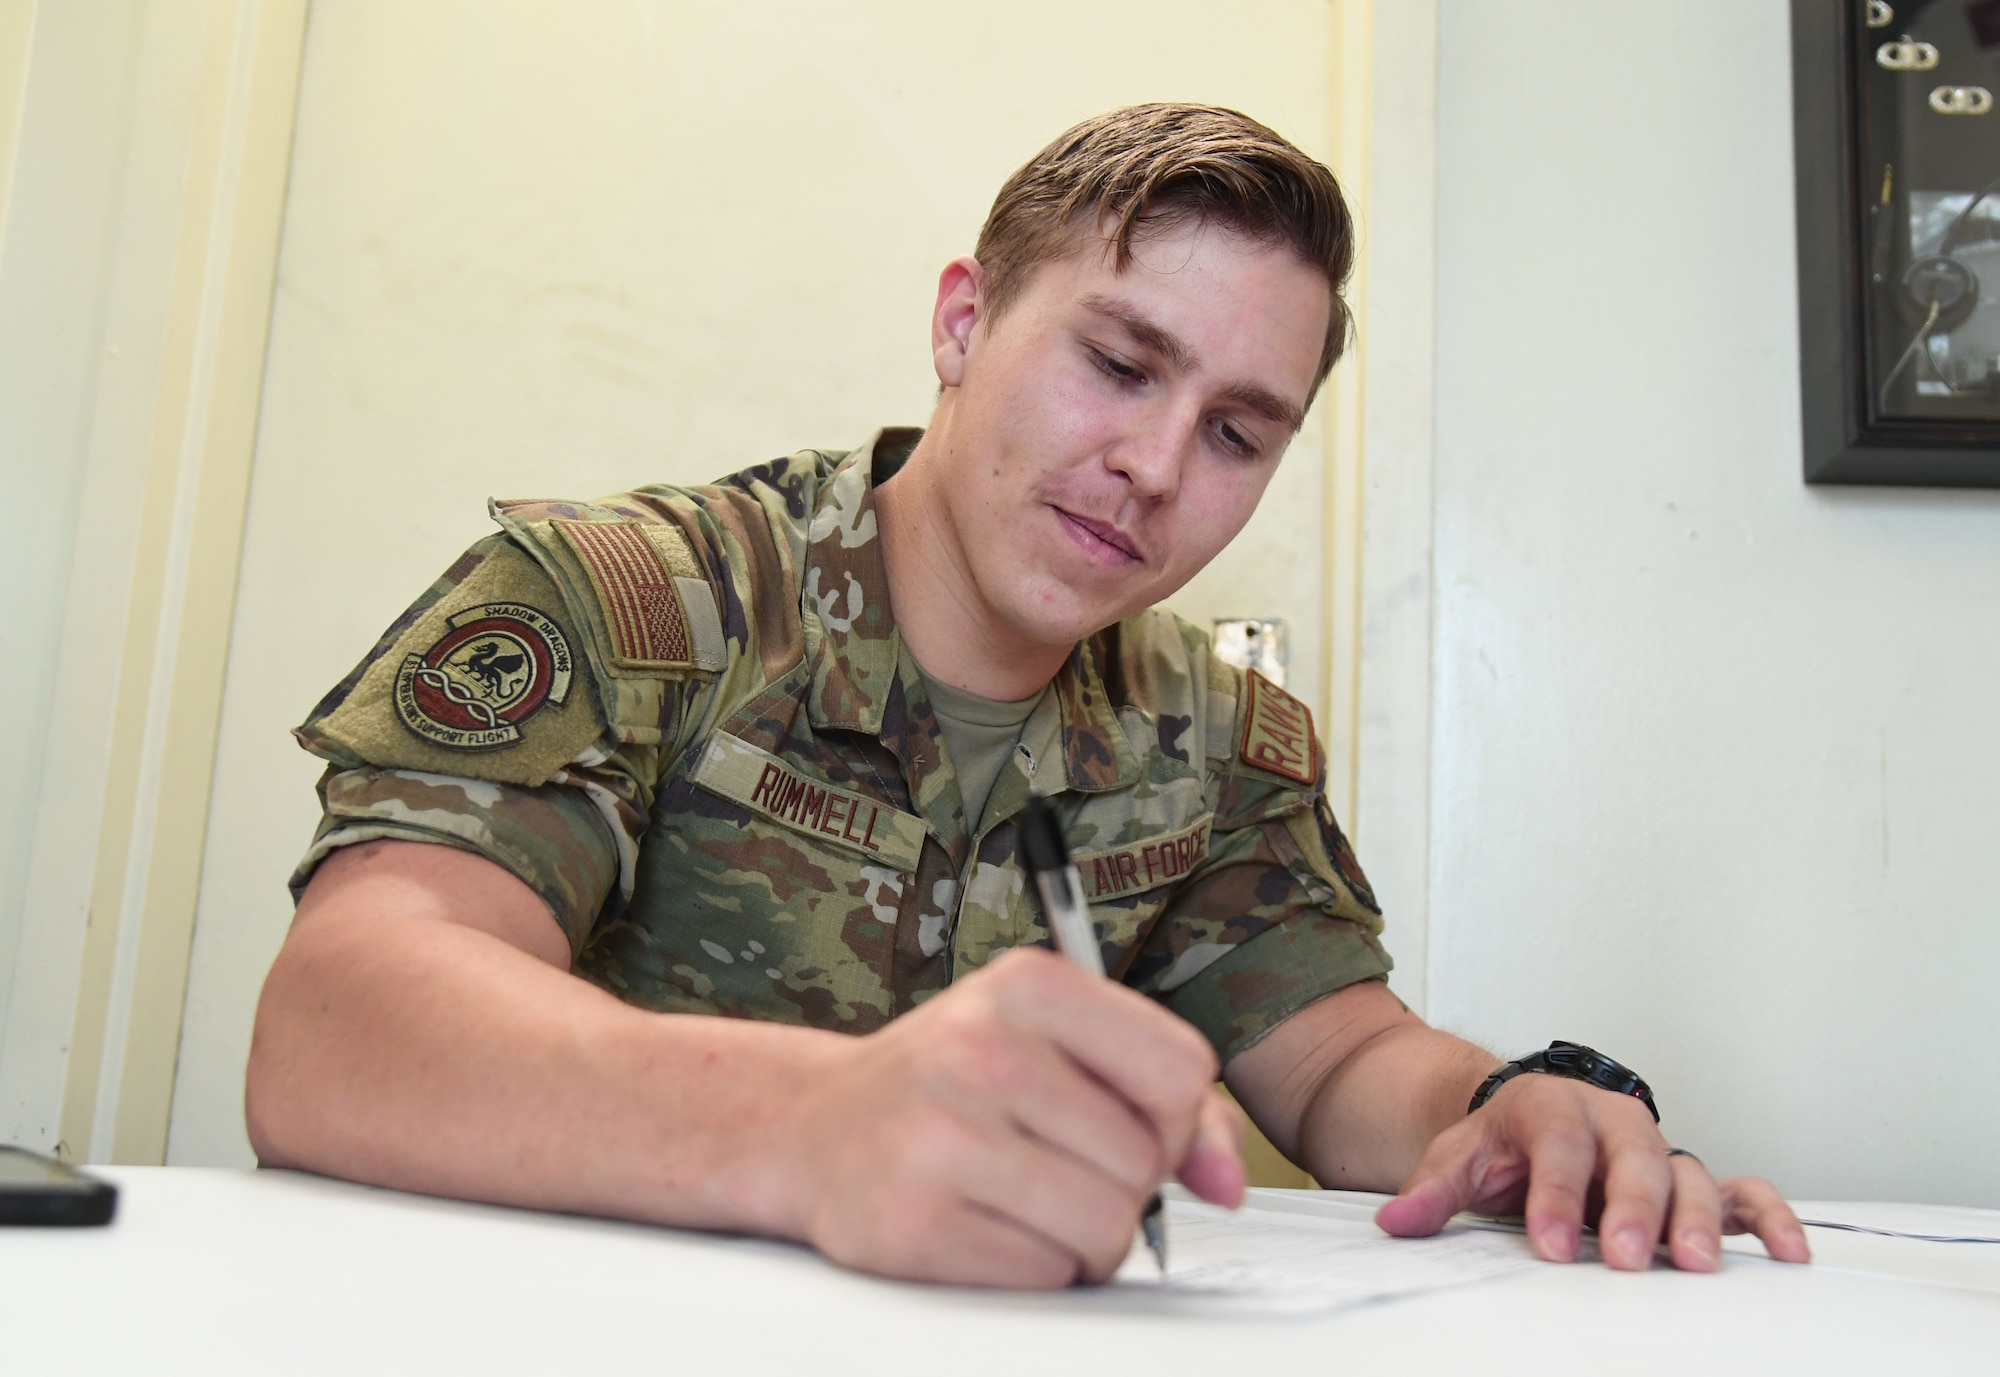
x=1170 y=346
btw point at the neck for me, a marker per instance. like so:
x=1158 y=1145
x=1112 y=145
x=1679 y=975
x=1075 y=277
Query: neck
x=943 y=617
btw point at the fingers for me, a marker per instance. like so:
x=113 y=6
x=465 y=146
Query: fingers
x=1062 y=1201
x=1640 y=1180
x=1059 y=1103
x=1054 y=1197
x=1704 y=1209
x=1562 y=1158
x=1694 y=1234
x=1151 y=1058
x=1465 y=1167
x=1566 y=1139
x=1213 y=1168
x=1086 y=1065
x=1029 y=1113
x=989 y=1249
x=970 y=1245
x=940 y=1197
x=1560 y=1140
x=1752 y=1205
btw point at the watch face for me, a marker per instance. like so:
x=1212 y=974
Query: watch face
x=1573 y=1061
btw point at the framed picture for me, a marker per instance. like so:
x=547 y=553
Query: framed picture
x=1898 y=157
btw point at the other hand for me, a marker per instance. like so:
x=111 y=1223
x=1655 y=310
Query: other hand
x=1009 y=1131
x=1564 y=1153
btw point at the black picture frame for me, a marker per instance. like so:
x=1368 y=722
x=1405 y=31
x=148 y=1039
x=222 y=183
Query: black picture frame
x=1844 y=441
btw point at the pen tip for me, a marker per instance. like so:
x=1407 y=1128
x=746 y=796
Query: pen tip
x=1153 y=1224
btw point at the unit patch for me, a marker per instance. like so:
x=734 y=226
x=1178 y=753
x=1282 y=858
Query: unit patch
x=1142 y=865
x=1277 y=731
x=496 y=667
x=1341 y=853
x=768 y=786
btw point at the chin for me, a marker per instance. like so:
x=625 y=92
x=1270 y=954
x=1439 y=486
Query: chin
x=1049 y=605
x=1039 y=628
x=1064 y=621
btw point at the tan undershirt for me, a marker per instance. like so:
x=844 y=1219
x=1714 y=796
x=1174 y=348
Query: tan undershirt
x=979 y=736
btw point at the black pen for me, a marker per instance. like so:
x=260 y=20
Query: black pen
x=1061 y=894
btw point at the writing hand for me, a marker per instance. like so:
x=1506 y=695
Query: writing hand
x=1008 y=1131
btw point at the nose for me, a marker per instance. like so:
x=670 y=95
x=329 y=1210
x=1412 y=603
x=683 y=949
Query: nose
x=1151 y=460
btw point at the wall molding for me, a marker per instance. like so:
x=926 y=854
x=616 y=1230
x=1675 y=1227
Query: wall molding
x=152 y=589
x=1340 y=548
x=17 y=36
x=1379 y=468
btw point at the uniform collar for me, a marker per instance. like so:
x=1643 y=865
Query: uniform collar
x=854 y=649
x=850 y=636
x=1094 y=750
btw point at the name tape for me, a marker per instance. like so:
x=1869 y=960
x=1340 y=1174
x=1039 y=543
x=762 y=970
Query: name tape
x=769 y=787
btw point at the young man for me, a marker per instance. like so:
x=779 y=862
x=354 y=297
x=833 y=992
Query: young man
x=756 y=750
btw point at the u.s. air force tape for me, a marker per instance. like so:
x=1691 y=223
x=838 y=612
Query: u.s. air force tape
x=1120 y=870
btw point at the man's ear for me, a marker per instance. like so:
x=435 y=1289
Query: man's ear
x=959 y=306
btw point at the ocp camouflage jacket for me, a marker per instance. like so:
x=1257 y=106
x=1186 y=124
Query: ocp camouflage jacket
x=684 y=717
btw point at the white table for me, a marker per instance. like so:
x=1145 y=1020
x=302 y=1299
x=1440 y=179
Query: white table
x=223 y=1272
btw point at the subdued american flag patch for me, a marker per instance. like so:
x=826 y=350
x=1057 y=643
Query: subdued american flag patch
x=643 y=611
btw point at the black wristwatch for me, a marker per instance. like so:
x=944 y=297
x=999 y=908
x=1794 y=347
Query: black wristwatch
x=1572 y=1061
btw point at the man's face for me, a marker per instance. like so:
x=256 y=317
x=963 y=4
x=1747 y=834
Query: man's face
x=1111 y=432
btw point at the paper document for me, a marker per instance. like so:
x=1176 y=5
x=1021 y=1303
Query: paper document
x=1925 y=1223
x=1306 y=1254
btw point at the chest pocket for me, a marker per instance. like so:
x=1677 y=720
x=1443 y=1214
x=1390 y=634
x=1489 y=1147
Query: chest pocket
x=769 y=892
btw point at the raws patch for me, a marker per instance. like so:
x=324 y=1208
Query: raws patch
x=1277 y=731
x=770 y=787
x=497 y=666
x=1144 y=864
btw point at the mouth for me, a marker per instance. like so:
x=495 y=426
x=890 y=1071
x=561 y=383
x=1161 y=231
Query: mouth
x=1101 y=541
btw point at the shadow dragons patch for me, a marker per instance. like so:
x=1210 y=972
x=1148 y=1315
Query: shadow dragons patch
x=497 y=666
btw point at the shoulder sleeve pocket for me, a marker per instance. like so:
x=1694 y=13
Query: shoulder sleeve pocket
x=480 y=681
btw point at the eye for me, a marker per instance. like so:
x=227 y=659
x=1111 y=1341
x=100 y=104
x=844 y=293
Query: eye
x=1113 y=368
x=1235 y=441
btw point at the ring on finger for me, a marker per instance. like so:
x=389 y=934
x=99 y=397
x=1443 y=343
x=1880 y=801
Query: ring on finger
x=1683 y=1152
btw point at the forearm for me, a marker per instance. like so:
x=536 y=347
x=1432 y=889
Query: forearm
x=1376 y=1111
x=435 y=1057
x=1363 y=1094
x=421 y=1030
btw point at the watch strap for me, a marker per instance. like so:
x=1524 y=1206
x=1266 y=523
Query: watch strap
x=1571 y=1061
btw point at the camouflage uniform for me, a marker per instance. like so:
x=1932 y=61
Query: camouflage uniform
x=684 y=717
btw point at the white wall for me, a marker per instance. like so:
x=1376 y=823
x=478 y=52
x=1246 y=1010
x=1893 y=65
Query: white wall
x=1717 y=777
x=536 y=250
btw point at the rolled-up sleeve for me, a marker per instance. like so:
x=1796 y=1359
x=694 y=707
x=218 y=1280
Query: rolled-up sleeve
x=555 y=838
x=1277 y=917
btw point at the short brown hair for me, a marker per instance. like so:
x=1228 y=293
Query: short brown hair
x=1152 y=168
